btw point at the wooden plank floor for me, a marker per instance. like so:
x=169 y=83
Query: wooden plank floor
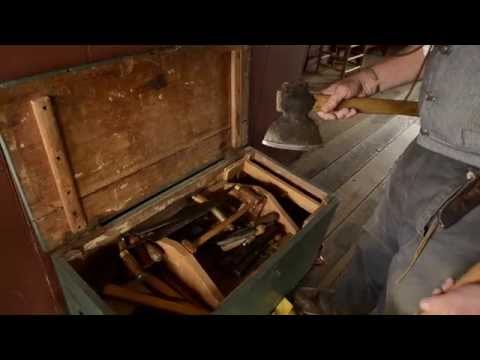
x=354 y=165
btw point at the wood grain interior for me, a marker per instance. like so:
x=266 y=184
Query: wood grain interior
x=131 y=127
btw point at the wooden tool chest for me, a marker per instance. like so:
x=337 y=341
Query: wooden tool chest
x=102 y=152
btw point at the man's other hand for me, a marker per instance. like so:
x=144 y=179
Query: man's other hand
x=462 y=301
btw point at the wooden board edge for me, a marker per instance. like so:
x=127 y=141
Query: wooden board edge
x=239 y=95
x=107 y=234
x=300 y=198
x=281 y=171
x=246 y=62
x=59 y=163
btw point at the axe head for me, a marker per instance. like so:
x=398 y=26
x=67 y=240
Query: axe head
x=294 y=130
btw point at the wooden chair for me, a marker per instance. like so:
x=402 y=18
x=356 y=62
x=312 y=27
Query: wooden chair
x=342 y=58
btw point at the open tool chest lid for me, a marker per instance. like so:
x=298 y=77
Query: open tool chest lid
x=121 y=131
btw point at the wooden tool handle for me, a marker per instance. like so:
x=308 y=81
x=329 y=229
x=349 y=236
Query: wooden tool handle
x=472 y=276
x=154 y=252
x=373 y=106
x=200 y=199
x=221 y=226
x=161 y=286
x=136 y=297
x=183 y=264
x=155 y=283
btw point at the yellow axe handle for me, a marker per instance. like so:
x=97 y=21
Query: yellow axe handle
x=373 y=106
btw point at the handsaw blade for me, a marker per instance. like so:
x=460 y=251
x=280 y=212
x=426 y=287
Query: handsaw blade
x=179 y=220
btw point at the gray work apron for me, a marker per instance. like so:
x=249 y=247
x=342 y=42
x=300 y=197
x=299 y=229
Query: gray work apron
x=425 y=177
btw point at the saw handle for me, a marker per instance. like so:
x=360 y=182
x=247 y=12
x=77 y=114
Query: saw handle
x=372 y=105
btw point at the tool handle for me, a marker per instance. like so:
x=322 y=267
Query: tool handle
x=221 y=226
x=157 y=284
x=372 y=105
x=136 y=297
x=472 y=276
x=200 y=199
x=161 y=287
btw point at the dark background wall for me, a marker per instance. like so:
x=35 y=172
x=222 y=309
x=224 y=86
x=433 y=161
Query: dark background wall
x=27 y=281
x=21 y=61
x=271 y=66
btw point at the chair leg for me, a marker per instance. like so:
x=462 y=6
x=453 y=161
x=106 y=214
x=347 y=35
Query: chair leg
x=319 y=58
x=307 y=59
x=348 y=50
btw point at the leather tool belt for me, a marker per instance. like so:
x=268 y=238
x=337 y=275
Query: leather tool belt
x=461 y=204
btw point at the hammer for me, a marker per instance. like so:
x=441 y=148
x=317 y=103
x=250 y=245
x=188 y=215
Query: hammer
x=294 y=130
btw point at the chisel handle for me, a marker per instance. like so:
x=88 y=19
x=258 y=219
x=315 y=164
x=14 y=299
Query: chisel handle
x=372 y=105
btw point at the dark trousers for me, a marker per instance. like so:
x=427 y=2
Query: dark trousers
x=419 y=184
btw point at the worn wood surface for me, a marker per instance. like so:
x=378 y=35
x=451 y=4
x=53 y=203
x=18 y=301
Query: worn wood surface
x=130 y=127
x=344 y=168
x=314 y=162
x=359 y=196
x=362 y=183
x=59 y=162
x=285 y=173
x=272 y=205
x=236 y=97
x=100 y=237
x=358 y=178
x=301 y=199
x=339 y=244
